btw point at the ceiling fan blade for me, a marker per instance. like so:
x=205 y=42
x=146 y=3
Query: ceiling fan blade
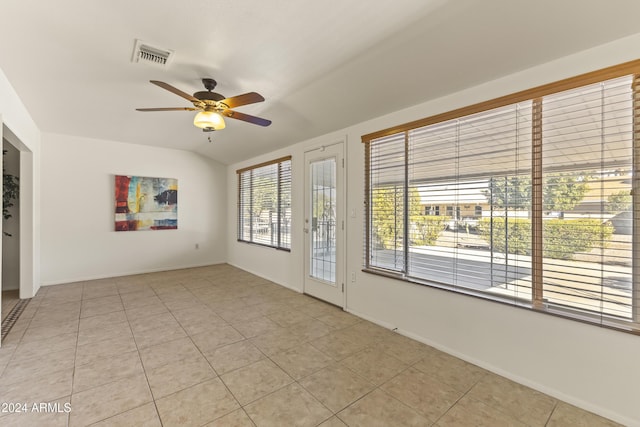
x=172 y=89
x=244 y=99
x=168 y=109
x=246 y=118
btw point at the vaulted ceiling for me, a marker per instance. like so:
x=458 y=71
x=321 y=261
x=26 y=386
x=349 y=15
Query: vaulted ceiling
x=321 y=65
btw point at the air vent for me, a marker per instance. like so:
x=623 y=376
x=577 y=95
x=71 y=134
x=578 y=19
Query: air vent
x=145 y=53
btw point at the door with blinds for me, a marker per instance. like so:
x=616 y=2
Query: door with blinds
x=324 y=224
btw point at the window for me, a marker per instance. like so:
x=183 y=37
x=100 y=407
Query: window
x=264 y=204
x=547 y=176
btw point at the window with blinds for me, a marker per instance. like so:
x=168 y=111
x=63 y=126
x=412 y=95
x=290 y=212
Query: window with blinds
x=264 y=204
x=536 y=196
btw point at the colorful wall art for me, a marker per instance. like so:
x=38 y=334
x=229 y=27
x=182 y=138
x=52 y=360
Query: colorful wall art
x=144 y=203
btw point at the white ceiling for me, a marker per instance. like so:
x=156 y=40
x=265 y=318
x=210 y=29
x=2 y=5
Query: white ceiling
x=321 y=65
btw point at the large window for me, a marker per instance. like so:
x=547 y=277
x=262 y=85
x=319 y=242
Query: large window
x=538 y=195
x=264 y=204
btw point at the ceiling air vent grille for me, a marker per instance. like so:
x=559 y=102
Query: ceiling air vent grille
x=145 y=53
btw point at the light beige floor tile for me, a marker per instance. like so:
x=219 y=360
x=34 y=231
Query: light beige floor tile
x=48 y=332
x=336 y=346
x=35 y=348
x=565 y=415
x=103 y=402
x=255 y=381
x=239 y=314
x=104 y=332
x=529 y=406
x=471 y=412
x=276 y=342
x=40 y=413
x=169 y=352
x=291 y=405
x=374 y=366
x=450 y=370
x=287 y=318
x=339 y=319
x=13 y=338
x=336 y=387
x=302 y=360
x=88 y=353
x=209 y=341
x=237 y=418
x=155 y=321
x=233 y=356
x=175 y=376
x=258 y=326
x=135 y=313
x=157 y=336
x=142 y=416
x=35 y=389
x=102 y=319
x=20 y=369
x=102 y=301
x=105 y=370
x=333 y=422
x=92 y=291
x=403 y=348
x=196 y=405
x=425 y=394
x=93 y=308
x=379 y=409
x=309 y=330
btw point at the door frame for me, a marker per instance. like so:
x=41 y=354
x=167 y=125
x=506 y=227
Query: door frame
x=341 y=223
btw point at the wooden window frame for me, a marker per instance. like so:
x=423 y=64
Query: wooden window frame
x=535 y=95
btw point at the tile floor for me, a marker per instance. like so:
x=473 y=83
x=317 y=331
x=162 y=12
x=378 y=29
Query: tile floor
x=9 y=300
x=217 y=346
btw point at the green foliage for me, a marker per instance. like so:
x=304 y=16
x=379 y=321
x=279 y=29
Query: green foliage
x=619 y=201
x=513 y=192
x=562 y=238
x=562 y=192
x=427 y=228
x=387 y=218
x=509 y=236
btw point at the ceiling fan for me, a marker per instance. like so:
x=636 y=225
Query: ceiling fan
x=212 y=106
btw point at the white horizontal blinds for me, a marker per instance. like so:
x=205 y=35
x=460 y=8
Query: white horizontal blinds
x=386 y=187
x=587 y=137
x=264 y=209
x=555 y=231
x=433 y=173
x=284 y=204
x=476 y=169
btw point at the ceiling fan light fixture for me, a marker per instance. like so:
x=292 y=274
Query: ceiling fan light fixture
x=209 y=119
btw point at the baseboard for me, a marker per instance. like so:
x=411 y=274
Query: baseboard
x=509 y=375
x=122 y=274
x=271 y=279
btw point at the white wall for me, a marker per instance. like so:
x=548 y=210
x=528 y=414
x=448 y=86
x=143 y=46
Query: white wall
x=589 y=366
x=78 y=237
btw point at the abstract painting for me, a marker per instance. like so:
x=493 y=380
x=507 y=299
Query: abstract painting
x=144 y=203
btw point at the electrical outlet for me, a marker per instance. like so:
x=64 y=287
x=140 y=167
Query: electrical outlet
x=353 y=276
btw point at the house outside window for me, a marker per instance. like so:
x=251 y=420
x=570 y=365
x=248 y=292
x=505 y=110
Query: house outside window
x=547 y=176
